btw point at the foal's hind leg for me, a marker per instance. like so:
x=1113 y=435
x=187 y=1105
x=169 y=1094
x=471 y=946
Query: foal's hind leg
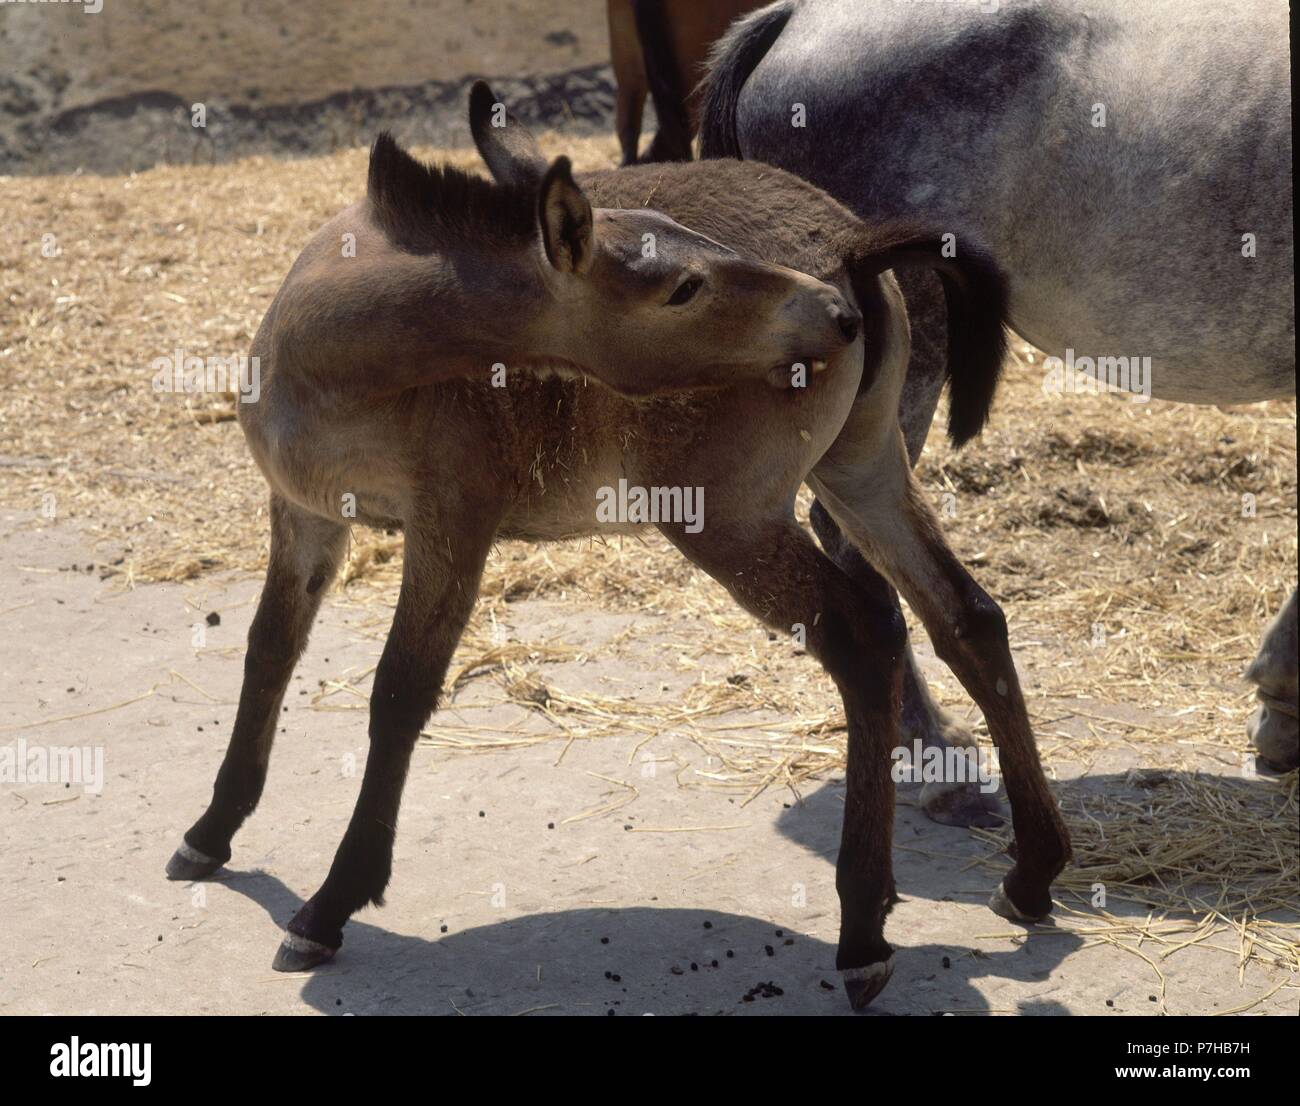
x=443 y=562
x=305 y=554
x=950 y=802
x=776 y=572
x=877 y=504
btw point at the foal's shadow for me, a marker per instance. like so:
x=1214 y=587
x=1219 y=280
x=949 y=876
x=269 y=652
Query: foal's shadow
x=942 y=863
x=633 y=960
x=649 y=959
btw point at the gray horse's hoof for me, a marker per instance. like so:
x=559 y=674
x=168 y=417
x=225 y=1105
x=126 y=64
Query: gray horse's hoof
x=1000 y=903
x=960 y=804
x=864 y=984
x=1276 y=737
x=300 y=954
x=189 y=864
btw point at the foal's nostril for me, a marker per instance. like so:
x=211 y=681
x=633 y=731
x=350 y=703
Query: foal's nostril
x=850 y=323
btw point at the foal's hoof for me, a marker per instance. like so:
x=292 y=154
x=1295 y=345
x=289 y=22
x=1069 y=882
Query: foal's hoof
x=960 y=804
x=1000 y=903
x=864 y=984
x=300 y=954
x=189 y=864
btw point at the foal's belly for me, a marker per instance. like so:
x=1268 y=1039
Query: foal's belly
x=575 y=508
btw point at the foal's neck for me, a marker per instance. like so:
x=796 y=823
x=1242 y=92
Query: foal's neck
x=382 y=323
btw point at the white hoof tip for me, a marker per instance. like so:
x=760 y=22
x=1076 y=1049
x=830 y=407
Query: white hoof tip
x=1000 y=903
x=864 y=984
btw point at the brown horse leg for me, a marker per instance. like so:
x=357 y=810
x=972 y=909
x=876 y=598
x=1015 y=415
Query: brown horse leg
x=628 y=107
x=443 y=563
x=949 y=802
x=775 y=571
x=629 y=77
x=305 y=553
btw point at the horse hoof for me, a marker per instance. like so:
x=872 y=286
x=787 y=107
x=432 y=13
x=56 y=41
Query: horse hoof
x=864 y=984
x=960 y=804
x=1000 y=903
x=189 y=864
x=1276 y=737
x=300 y=954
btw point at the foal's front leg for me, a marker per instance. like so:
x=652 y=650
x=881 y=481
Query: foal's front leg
x=776 y=572
x=443 y=562
x=305 y=554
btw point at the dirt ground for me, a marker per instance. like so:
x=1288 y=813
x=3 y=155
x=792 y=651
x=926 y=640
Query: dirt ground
x=115 y=91
x=278 y=51
x=571 y=876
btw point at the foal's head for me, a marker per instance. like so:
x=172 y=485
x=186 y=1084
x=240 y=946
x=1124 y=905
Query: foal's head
x=628 y=296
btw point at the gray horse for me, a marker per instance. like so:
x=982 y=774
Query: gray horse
x=1128 y=164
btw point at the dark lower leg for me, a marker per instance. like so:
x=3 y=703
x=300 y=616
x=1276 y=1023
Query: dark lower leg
x=627 y=122
x=952 y=803
x=775 y=572
x=305 y=554
x=440 y=581
x=401 y=702
x=970 y=635
x=864 y=878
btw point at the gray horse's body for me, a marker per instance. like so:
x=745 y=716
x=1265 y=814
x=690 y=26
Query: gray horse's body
x=1120 y=240
x=1127 y=163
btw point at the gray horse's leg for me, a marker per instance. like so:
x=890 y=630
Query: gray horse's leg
x=923 y=720
x=1273 y=728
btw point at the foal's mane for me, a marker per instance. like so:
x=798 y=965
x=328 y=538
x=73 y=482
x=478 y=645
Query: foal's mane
x=418 y=205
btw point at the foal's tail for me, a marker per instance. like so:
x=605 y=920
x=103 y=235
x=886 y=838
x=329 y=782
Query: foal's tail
x=733 y=58
x=975 y=292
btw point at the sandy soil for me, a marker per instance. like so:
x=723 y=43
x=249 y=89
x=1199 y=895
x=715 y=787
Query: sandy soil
x=113 y=91
x=549 y=906
x=281 y=51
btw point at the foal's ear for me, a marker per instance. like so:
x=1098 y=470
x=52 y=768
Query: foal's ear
x=565 y=215
x=505 y=143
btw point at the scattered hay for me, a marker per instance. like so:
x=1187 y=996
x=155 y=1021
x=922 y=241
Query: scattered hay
x=1207 y=857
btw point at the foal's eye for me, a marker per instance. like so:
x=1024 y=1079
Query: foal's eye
x=685 y=292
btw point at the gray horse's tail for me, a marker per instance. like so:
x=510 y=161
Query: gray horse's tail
x=733 y=58
x=672 y=141
x=975 y=291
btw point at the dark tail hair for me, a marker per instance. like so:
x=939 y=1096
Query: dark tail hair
x=733 y=58
x=975 y=291
x=672 y=141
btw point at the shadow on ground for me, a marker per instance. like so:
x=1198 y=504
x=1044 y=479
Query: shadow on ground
x=557 y=963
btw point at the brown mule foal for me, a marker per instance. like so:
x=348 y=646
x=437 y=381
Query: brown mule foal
x=348 y=409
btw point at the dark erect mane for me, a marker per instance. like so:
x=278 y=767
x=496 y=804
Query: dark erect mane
x=418 y=205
